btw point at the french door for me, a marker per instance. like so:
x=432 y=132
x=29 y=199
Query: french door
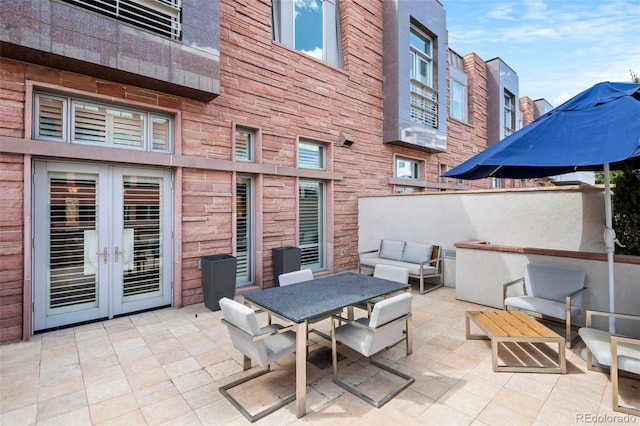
x=102 y=242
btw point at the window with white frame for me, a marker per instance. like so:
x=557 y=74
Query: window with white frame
x=496 y=183
x=407 y=168
x=424 y=97
x=245 y=145
x=66 y=119
x=311 y=214
x=311 y=155
x=158 y=16
x=309 y=26
x=509 y=113
x=459 y=101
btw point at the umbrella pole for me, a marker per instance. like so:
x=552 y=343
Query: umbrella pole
x=609 y=238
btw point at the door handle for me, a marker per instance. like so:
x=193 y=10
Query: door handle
x=105 y=255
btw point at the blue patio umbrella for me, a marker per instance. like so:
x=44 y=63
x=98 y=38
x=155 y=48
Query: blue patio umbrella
x=597 y=130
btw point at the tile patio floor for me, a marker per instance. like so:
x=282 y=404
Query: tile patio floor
x=165 y=366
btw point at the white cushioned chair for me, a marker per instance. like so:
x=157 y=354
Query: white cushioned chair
x=261 y=345
x=294 y=277
x=386 y=272
x=549 y=291
x=617 y=353
x=390 y=323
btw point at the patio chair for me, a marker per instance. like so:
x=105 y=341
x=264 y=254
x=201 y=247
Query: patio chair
x=261 y=345
x=551 y=292
x=387 y=272
x=295 y=277
x=300 y=276
x=614 y=352
x=389 y=324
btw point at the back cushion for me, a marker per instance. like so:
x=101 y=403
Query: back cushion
x=392 y=249
x=552 y=283
x=416 y=252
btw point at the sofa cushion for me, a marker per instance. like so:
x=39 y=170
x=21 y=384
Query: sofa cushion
x=416 y=252
x=392 y=249
x=414 y=268
x=543 y=306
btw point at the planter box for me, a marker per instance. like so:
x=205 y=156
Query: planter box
x=218 y=279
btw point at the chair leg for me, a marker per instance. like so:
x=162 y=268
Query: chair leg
x=408 y=380
x=260 y=414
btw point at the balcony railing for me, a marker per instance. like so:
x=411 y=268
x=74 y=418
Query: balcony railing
x=424 y=104
x=159 y=16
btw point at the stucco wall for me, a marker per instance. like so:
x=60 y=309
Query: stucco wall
x=558 y=218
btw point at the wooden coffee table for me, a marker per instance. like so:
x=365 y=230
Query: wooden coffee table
x=515 y=327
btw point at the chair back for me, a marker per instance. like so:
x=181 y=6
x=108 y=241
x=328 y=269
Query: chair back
x=553 y=283
x=295 y=277
x=244 y=326
x=384 y=312
x=391 y=273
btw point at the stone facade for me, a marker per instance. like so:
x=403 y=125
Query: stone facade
x=281 y=94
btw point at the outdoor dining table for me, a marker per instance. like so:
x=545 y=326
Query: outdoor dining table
x=302 y=302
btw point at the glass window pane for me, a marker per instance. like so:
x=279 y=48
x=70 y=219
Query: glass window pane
x=244 y=247
x=244 y=145
x=407 y=168
x=310 y=224
x=310 y=155
x=89 y=124
x=126 y=128
x=161 y=129
x=50 y=118
x=309 y=27
x=420 y=42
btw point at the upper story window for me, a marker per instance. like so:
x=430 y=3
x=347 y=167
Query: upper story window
x=509 y=113
x=424 y=97
x=158 y=16
x=311 y=155
x=309 y=26
x=65 y=119
x=407 y=168
x=458 y=88
x=245 y=145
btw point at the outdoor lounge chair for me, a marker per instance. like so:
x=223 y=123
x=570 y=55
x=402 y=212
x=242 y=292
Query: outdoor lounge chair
x=609 y=351
x=551 y=292
x=389 y=324
x=261 y=345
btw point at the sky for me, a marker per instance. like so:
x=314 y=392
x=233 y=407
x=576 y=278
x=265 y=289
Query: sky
x=558 y=48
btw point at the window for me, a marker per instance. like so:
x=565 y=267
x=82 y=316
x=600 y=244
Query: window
x=496 y=183
x=424 y=97
x=158 y=16
x=311 y=224
x=309 y=26
x=509 y=113
x=244 y=231
x=459 y=101
x=245 y=145
x=400 y=189
x=407 y=168
x=311 y=155
x=65 y=119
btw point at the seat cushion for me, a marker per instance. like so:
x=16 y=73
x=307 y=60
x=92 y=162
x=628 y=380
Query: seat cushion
x=392 y=249
x=416 y=252
x=599 y=342
x=414 y=268
x=542 y=306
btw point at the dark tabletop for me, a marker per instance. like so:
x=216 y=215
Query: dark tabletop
x=322 y=296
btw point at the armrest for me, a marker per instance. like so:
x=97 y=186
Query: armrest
x=591 y=313
x=505 y=286
x=261 y=336
x=368 y=252
x=376 y=329
x=571 y=296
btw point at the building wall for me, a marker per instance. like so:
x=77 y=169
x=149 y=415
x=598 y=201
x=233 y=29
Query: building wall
x=283 y=95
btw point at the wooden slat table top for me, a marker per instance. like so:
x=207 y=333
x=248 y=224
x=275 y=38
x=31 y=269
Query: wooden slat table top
x=510 y=324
